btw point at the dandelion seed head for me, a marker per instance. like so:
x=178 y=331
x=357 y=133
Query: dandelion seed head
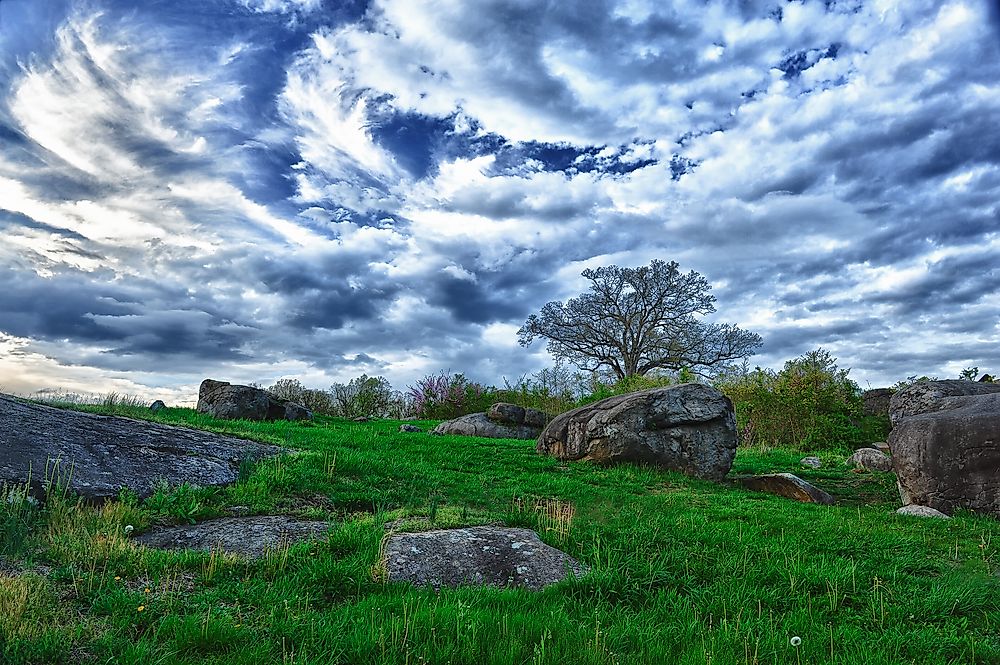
x=795 y=641
x=128 y=529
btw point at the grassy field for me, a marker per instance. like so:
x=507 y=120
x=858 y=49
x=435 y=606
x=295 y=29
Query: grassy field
x=682 y=571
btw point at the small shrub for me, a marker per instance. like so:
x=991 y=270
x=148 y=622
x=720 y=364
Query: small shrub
x=811 y=403
x=443 y=396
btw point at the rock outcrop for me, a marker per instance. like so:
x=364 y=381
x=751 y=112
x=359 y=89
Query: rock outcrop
x=787 y=485
x=869 y=459
x=501 y=421
x=689 y=428
x=480 y=555
x=233 y=402
x=247 y=536
x=927 y=396
x=946 y=445
x=99 y=455
x=875 y=402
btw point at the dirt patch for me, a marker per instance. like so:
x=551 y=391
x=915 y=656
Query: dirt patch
x=247 y=536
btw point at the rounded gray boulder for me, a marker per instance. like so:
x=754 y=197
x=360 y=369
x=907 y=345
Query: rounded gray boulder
x=689 y=428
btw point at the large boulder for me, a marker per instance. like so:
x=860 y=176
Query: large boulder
x=875 y=402
x=500 y=421
x=689 y=428
x=100 y=455
x=233 y=402
x=481 y=555
x=927 y=396
x=947 y=456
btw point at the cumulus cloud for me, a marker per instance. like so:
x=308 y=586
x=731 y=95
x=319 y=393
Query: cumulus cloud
x=392 y=188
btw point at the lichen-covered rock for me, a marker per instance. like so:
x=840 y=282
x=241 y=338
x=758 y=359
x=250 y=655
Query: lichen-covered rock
x=949 y=457
x=100 y=455
x=787 y=485
x=928 y=396
x=407 y=427
x=512 y=414
x=234 y=402
x=689 y=428
x=480 y=555
x=869 y=459
x=921 y=511
x=811 y=462
x=247 y=536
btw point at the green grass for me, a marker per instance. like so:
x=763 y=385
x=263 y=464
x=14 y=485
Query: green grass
x=682 y=571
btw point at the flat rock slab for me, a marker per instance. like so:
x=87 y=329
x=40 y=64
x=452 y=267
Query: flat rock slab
x=247 y=536
x=787 y=485
x=103 y=454
x=481 y=555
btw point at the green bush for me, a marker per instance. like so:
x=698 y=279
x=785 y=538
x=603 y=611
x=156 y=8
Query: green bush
x=811 y=403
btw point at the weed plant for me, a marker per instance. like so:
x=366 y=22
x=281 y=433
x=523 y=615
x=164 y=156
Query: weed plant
x=680 y=570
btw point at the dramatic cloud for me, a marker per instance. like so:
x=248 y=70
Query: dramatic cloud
x=250 y=189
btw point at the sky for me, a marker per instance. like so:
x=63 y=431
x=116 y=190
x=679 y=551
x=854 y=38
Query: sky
x=256 y=189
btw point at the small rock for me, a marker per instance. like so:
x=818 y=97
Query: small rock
x=158 y=405
x=479 y=424
x=787 y=485
x=361 y=419
x=407 y=427
x=812 y=462
x=922 y=511
x=869 y=459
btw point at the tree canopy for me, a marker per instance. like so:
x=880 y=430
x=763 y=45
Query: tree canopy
x=633 y=321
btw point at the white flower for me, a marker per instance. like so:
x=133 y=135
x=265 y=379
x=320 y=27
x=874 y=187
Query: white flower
x=795 y=641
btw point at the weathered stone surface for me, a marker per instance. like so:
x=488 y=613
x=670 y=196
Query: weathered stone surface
x=233 y=402
x=869 y=459
x=689 y=428
x=881 y=446
x=158 y=405
x=107 y=453
x=248 y=536
x=501 y=421
x=928 y=396
x=949 y=458
x=921 y=511
x=787 y=485
x=512 y=414
x=407 y=427
x=477 y=424
x=811 y=462
x=481 y=555
x=876 y=402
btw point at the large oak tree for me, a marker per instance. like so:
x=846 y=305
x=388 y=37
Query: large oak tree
x=636 y=320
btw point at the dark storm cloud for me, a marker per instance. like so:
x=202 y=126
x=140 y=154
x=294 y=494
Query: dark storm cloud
x=117 y=317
